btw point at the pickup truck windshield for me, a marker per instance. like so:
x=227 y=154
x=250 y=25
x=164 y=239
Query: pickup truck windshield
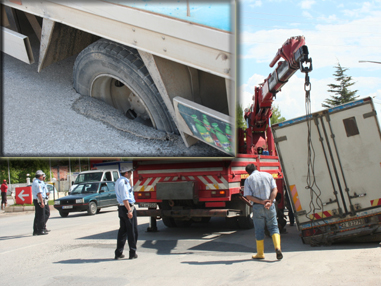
x=89 y=177
x=85 y=189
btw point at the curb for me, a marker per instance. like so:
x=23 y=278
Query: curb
x=11 y=209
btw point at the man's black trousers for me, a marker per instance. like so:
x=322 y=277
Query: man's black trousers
x=128 y=230
x=39 y=217
x=47 y=213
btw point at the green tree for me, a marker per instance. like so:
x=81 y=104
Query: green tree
x=19 y=168
x=276 y=117
x=240 y=120
x=341 y=91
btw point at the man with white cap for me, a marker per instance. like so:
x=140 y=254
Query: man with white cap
x=127 y=215
x=39 y=204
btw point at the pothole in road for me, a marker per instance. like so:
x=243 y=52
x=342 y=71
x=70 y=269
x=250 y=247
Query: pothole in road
x=98 y=110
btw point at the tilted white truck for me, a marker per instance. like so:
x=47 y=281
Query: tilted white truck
x=160 y=63
x=331 y=162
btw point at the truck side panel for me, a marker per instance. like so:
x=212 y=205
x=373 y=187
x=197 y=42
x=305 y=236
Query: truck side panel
x=212 y=14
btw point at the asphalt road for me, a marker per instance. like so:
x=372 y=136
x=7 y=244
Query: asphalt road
x=79 y=250
x=43 y=115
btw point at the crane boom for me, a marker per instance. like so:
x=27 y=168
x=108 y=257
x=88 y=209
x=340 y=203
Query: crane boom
x=295 y=55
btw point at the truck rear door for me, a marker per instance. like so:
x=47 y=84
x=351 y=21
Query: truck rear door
x=338 y=174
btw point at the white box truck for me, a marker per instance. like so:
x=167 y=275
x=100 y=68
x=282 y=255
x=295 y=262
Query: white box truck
x=332 y=165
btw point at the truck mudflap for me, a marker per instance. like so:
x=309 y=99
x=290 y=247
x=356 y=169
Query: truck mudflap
x=189 y=213
x=359 y=229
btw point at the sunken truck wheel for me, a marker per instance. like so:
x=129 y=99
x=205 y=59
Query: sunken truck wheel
x=116 y=74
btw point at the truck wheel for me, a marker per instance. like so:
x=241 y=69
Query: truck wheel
x=245 y=222
x=116 y=74
x=92 y=210
x=169 y=221
x=183 y=223
x=205 y=219
x=63 y=214
x=232 y=222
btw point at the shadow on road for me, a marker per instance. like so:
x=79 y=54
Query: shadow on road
x=13 y=237
x=215 y=237
x=81 y=214
x=227 y=262
x=82 y=261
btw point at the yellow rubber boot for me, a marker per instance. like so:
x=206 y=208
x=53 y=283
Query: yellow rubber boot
x=260 y=250
x=276 y=241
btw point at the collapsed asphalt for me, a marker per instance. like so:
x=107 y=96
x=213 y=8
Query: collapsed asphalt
x=44 y=116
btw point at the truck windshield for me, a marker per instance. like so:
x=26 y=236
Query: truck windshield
x=85 y=189
x=88 y=177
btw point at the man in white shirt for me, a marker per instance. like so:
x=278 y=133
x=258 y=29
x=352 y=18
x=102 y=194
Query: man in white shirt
x=127 y=215
x=261 y=189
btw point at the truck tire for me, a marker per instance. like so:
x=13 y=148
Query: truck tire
x=169 y=222
x=232 y=222
x=245 y=222
x=116 y=74
x=183 y=223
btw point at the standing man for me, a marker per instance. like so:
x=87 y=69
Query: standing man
x=39 y=204
x=260 y=188
x=4 y=191
x=127 y=215
x=46 y=201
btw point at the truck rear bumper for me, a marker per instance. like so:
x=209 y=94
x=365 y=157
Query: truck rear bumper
x=190 y=213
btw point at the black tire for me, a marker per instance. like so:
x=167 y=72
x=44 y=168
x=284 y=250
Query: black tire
x=245 y=222
x=63 y=214
x=183 y=223
x=169 y=222
x=206 y=219
x=92 y=209
x=232 y=222
x=104 y=66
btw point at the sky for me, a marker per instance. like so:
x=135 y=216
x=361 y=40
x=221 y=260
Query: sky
x=344 y=32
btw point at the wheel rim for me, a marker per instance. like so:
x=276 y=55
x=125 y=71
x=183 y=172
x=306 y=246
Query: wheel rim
x=93 y=208
x=119 y=95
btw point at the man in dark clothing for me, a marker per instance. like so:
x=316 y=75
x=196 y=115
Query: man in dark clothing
x=4 y=190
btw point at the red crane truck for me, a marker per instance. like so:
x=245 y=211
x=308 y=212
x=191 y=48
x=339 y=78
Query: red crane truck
x=196 y=190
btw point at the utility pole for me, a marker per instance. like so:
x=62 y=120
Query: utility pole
x=9 y=178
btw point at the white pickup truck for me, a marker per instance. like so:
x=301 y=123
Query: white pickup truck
x=95 y=176
x=159 y=63
x=332 y=165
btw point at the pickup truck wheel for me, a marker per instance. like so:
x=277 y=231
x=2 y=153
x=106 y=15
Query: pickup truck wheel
x=92 y=210
x=63 y=214
x=116 y=74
